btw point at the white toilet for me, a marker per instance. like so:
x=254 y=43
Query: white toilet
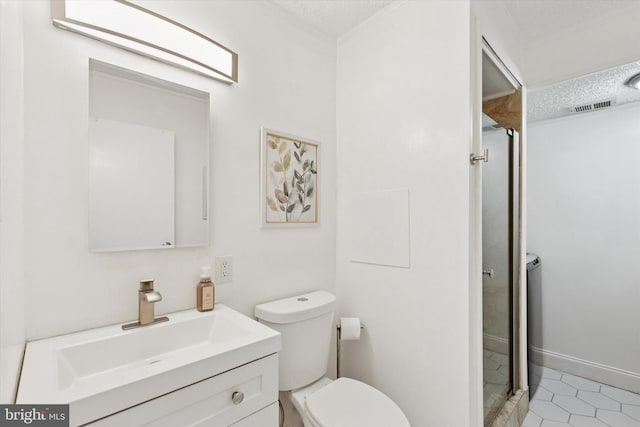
x=306 y=324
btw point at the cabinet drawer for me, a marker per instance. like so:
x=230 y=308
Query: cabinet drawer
x=208 y=403
x=267 y=417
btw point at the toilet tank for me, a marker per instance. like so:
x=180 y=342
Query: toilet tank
x=306 y=325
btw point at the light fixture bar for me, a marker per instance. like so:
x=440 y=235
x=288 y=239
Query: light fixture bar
x=134 y=28
x=634 y=82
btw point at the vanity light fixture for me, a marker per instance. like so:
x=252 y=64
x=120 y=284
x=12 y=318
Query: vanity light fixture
x=127 y=25
x=634 y=82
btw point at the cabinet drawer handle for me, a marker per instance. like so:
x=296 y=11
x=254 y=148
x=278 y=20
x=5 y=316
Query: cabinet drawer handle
x=237 y=397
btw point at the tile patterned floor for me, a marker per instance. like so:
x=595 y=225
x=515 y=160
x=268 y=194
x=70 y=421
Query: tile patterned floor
x=564 y=400
x=496 y=377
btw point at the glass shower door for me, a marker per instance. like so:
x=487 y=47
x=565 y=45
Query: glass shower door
x=498 y=268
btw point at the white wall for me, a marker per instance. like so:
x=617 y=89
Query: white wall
x=286 y=82
x=12 y=322
x=403 y=112
x=583 y=215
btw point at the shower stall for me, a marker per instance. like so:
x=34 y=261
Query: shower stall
x=499 y=256
x=501 y=230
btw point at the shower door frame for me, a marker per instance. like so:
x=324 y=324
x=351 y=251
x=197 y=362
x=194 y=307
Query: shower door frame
x=515 y=221
x=513 y=225
x=518 y=376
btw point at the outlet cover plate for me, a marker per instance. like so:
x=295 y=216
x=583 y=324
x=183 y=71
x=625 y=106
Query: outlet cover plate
x=224 y=269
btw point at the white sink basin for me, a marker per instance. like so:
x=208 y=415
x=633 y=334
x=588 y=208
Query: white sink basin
x=103 y=371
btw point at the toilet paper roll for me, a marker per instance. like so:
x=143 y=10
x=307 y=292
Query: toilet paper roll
x=349 y=328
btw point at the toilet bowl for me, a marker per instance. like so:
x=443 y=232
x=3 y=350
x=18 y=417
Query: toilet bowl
x=305 y=323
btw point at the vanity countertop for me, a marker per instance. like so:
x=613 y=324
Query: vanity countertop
x=105 y=370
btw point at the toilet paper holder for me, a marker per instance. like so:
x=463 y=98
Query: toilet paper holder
x=338 y=339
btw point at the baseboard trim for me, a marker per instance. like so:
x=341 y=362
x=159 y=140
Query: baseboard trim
x=605 y=374
x=495 y=343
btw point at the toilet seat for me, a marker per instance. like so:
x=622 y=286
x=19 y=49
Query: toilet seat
x=350 y=403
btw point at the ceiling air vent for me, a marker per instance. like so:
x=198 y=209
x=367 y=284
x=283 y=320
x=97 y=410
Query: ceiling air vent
x=600 y=105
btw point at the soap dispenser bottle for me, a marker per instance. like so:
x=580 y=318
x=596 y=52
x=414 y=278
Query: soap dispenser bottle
x=205 y=291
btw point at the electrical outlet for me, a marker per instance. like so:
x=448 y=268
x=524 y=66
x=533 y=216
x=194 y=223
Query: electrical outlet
x=224 y=269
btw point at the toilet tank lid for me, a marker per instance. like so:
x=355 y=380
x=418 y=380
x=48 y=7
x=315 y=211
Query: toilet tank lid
x=297 y=308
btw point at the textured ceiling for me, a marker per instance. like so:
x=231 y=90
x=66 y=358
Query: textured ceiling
x=332 y=17
x=543 y=20
x=555 y=100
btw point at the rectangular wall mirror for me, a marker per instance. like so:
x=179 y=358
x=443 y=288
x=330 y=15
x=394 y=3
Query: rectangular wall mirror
x=148 y=162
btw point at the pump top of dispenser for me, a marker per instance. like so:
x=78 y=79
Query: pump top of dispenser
x=205 y=272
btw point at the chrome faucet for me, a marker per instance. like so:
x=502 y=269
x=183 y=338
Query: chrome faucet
x=147 y=297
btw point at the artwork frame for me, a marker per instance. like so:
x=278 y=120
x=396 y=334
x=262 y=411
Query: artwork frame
x=289 y=178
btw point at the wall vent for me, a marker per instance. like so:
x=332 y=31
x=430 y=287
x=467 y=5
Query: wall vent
x=600 y=105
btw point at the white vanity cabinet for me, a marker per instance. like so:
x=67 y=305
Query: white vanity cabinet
x=246 y=396
x=264 y=417
x=212 y=368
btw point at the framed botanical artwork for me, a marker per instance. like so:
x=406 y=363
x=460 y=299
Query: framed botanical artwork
x=289 y=179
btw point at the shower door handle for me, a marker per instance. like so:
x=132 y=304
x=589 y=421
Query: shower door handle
x=474 y=158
